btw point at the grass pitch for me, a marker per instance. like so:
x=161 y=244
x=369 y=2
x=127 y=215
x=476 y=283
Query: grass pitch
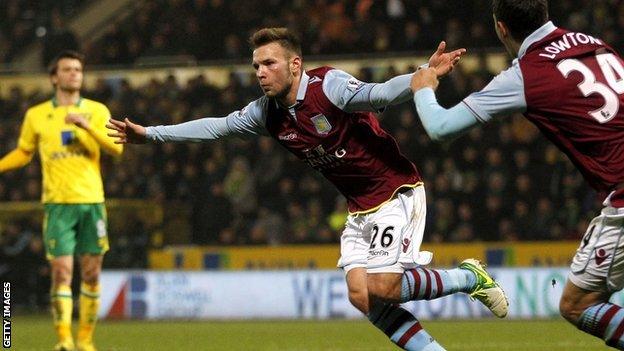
x=35 y=333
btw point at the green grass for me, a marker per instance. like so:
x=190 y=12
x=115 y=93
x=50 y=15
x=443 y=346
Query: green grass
x=35 y=333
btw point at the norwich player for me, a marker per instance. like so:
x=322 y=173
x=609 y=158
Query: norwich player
x=69 y=132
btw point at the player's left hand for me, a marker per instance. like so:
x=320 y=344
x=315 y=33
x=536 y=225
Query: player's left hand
x=424 y=78
x=444 y=62
x=77 y=119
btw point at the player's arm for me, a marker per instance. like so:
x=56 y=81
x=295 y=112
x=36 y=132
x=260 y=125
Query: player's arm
x=503 y=96
x=248 y=121
x=17 y=158
x=96 y=130
x=25 y=149
x=350 y=94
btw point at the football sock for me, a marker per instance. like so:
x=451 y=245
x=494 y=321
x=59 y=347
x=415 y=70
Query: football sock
x=606 y=321
x=402 y=328
x=62 y=305
x=89 y=305
x=427 y=284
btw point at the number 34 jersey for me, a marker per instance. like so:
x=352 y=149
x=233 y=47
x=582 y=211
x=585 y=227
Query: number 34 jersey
x=571 y=86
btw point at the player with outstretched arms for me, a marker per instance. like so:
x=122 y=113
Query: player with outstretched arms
x=325 y=117
x=571 y=86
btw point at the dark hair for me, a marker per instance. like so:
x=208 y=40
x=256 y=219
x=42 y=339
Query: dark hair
x=522 y=17
x=286 y=38
x=53 y=66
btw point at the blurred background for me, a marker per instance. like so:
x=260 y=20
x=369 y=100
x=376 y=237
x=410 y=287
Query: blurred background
x=501 y=193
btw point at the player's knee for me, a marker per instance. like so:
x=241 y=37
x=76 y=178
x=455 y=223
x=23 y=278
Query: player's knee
x=61 y=274
x=383 y=287
x=90 y=269
x=91 y=276
x=359 y=299
x=570 y=310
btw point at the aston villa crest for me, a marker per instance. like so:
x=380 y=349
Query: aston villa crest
x=321 y=124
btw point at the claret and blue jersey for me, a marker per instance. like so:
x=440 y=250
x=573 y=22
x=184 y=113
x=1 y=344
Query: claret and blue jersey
x=570 y=85
x=332 y=128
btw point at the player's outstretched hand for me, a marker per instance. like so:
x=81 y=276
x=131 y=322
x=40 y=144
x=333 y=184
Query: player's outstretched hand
x=444 y=62
x=126 y=132
x=424 y=78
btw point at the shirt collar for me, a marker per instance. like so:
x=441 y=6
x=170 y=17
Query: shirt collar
x=55 y=101
x=536 y=36
x=303 y=86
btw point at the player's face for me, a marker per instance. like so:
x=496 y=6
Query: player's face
x=68 y=75
x=273 y=65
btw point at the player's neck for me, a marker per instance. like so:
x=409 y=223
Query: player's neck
x=67 y=98
x=513 y=47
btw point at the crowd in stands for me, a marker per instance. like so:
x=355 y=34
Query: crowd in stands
x=43 y=21
x=505 y=182
x=219 y=29
x=195 y=28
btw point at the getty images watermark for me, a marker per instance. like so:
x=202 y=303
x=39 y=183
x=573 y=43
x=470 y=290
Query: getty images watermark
x=6 y=315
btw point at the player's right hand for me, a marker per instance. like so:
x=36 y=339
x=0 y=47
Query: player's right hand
x=126 y=132
x=424 y=78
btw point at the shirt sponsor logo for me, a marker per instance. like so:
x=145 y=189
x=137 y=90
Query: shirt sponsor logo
x=67 y=137
x=319 y=159
x=375 y=253
x=73 y=153
x=321 y=124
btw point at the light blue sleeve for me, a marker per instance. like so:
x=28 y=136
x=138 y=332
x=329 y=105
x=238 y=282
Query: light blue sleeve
x=350 y=95
x=248 y=121
x=439 y=123
x=503 y=96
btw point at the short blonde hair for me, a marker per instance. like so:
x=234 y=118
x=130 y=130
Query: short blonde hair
x=285 y=37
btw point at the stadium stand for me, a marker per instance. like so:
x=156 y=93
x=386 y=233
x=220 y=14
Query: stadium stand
x=208 y=29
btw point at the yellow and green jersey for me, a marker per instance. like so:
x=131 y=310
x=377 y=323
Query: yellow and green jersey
x=70 y=156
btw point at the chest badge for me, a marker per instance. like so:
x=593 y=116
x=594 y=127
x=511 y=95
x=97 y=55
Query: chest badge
x=321 y=124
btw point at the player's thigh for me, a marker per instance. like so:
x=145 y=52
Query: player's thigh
x=397 y=230
x=59 y=229
x=92 y=232
x=354 y=243
x=598 y=264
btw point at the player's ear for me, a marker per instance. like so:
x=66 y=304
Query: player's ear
x=501 y=28
x=295 y=64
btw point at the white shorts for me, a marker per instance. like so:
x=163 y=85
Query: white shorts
x=599 y=261
x=387 y=240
